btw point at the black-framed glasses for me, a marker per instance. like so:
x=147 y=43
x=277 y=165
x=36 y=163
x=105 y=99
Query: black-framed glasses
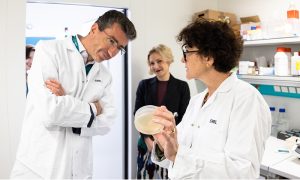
x=111 y=40
x=185 y=51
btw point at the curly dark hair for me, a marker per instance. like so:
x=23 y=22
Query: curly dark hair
x=114 y=16
x=213 y=39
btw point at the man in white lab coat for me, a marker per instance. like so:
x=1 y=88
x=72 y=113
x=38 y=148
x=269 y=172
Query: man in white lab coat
x=67 y=104
x=224 y=129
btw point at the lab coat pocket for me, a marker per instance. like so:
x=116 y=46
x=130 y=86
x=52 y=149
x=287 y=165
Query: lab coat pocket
x=213 y=135
x=94 y=90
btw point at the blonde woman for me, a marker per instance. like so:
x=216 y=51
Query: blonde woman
x=162 y=89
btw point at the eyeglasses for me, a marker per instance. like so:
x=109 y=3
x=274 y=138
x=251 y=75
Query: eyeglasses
x=185 y=51
x=111 y=40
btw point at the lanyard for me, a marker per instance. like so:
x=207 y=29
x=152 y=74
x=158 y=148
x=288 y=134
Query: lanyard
x=74 y=39
x=87 y=67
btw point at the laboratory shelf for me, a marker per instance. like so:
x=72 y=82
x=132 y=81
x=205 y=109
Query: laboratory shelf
x=264 y=42
x=293 y=81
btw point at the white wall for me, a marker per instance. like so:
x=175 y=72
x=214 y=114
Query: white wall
x=12 y=79
x=156 y=22
x=268 y=10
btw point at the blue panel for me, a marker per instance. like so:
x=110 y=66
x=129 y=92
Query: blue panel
x=269 y=90
x=34 y=40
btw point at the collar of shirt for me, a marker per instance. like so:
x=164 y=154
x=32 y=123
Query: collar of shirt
x=83 y=52
x=228 y=83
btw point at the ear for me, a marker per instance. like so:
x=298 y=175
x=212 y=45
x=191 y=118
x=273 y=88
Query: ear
x=94 y=28
x=209 y=61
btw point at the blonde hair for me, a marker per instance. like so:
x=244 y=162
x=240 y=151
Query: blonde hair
x=162 y=50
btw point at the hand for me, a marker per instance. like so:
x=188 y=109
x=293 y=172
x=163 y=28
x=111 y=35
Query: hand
x=149 y=143
x=168 y=144
x=98 y=107
x=55 y=87
x=167 y=139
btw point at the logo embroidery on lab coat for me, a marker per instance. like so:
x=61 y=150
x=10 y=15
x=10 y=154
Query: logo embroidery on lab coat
x=97 y=80
x=213 y=121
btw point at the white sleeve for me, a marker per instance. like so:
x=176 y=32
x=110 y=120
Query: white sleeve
x=102 y=123
x=65 y=111
x=162 y=163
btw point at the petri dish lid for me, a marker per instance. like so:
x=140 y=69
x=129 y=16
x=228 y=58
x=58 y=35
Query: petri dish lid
x=143 y=120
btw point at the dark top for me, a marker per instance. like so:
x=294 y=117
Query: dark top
x=176 y=99
x=161 y=91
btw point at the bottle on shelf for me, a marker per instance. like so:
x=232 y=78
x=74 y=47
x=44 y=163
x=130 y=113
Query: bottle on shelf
x=283 y=123
x=295 y=64
x=282 y=61
x=293 y=19
x=274 y=129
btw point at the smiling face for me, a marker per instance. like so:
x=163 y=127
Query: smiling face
x=104 y=45
x=159 y=66
x=197 y=66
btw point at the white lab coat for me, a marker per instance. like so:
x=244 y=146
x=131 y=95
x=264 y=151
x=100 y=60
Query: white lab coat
x=228 y=135
x=48 y=146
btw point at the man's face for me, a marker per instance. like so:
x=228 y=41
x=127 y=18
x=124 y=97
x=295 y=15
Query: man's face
x=107 y=43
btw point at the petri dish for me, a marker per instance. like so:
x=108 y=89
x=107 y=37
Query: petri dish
x=143 y=120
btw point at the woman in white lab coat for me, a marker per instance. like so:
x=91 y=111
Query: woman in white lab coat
x=225 y=127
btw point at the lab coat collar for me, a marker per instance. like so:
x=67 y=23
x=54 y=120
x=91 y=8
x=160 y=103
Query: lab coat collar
x=225 y=86
x=69 y=44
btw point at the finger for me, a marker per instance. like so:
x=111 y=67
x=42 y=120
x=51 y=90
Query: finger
x=164 y=113
x=55 y=83
x=167 y=124
x=167 y=137
x=159 y=139
x=50 y=87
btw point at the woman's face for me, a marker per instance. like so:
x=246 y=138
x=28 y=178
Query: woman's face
x=196 y=65
x=158 y=65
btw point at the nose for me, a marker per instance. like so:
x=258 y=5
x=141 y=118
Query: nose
x=183 y=60
x=113 y=50
x=155 y=65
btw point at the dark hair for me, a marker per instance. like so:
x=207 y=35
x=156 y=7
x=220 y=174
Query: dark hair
x=114 y=16
x=29 y=49
x=214 y=39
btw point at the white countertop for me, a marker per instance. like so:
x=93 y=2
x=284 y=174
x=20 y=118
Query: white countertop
x=280 y=163
x=289 y=168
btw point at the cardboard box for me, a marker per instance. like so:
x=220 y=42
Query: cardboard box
x=219 y=15
x=216 y=15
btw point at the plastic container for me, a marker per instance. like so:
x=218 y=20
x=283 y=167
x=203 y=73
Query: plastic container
x=143 y=120
x=295 y=64
x=282 y=61
x=243 y=67
x=274 y=129
x=283 y=123
x=251 y=68
x=293 y=19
